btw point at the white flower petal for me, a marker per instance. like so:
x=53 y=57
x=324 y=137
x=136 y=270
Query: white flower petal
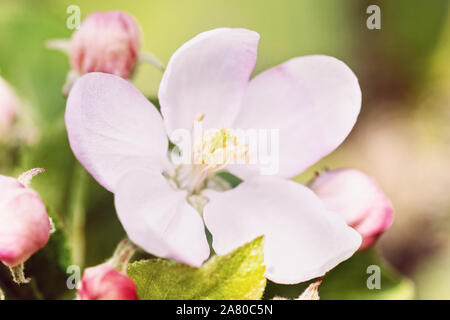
x=302 y=239
x=157 y=218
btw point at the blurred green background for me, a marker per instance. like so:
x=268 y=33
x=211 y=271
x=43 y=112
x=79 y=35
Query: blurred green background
x=402 y=137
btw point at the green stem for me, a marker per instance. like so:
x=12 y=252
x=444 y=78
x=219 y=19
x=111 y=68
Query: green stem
x=78 y=215
x=37 y=293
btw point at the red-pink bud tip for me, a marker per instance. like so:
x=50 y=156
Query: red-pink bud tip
x=103 y=282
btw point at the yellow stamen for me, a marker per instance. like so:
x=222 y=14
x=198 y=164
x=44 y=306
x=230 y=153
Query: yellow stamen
x=214 y=149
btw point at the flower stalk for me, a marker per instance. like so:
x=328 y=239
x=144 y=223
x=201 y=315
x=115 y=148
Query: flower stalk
x=78 y=215
x=150 y=58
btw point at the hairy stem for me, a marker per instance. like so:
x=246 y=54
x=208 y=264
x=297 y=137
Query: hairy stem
x=18 y=274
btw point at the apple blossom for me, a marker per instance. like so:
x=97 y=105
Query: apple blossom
x=24 y=223
x=358 y=198
x=120 y=138
x=103 y=282
x=8 y=107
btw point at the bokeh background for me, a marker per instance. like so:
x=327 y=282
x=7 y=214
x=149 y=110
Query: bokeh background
x=402 y=137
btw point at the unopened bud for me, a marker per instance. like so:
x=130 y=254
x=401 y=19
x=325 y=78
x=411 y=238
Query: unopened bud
x=24 y=223
x=106 y=42
x=358 y=198
x=103 y=282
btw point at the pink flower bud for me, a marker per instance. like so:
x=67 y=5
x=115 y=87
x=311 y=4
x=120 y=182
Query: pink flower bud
x=103 y=282
x=24 y=223
x=8 y=107
x=106 y=42
x=358 y=198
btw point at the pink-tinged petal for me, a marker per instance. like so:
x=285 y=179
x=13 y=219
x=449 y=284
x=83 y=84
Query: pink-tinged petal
x=24 y=223
x=302 y=239
x=113 y=128
x=313 y=101
x=208 y=74
x=103 y=282
x=158 y=218
x=358 y=198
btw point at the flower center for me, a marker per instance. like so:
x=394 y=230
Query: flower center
x=212 y=150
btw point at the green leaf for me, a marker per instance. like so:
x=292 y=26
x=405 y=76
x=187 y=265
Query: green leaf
x=237 y=275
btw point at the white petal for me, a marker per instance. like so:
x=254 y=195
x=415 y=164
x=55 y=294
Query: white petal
x=302 y=239
x=157 y=218
x=313 y=101
x=113 y=128
x=208 y=74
